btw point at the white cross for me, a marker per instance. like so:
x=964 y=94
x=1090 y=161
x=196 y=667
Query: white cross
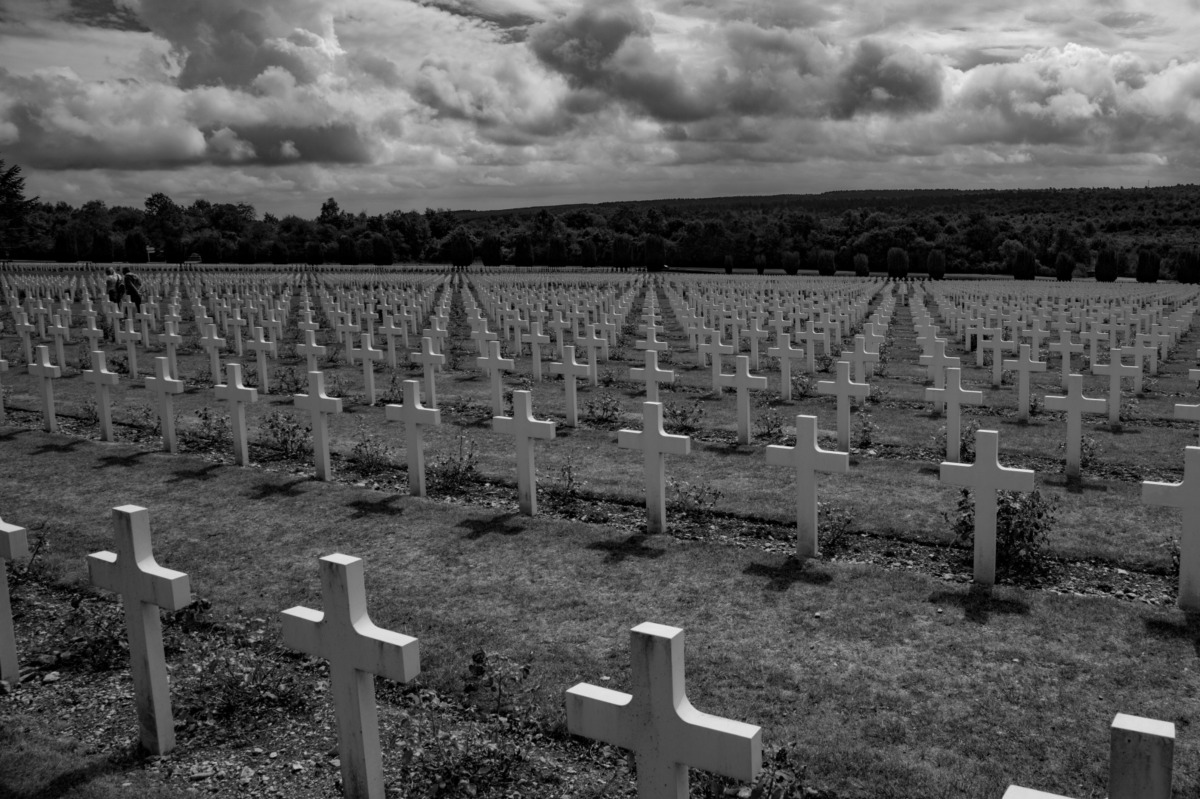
x=1075 y=405
x=743 y=381
x=859 y=358
x=130 y=338
x=144 y=587
x=357 y=650
x=986 y=476
x=47 y=373
x=25 y=328
x=369 y=355
x=953 y=396
x=262 y=348
x=492 y=364
x=3 y=369
x=1024 y=365
x=237 y=323
x=651 y=341
x=651 y=375
x=843 y=388
x=570 y=369
x=1115 y=370
x=14 y=543
x=165 y=386
x=213 y=344
x=786 y=353
x=658 y=723
x=61 y=333
x=998 y=345
x=311 y=350
x=429 y=360
x=535 y=338
x=654 y=442
x=810 y=336
x=593 y=342
x=1141 y=755
x=714 y=349
x=238 y=396
x=319 y=405
x=522 y=426
x=415 y=416
x=389 y=331
x=1064 y=347
x=104 y=380
x=807 y=458
x=1183 y=495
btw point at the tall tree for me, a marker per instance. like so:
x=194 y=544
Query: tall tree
x=14 y=208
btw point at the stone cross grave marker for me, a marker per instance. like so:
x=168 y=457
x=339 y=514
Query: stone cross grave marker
x=429 y=360
x=570 y=369
x=319 y=406
x=1115 y=370
x=522 y=426
x=998 y=345
x=843 y=388
x=937 y=362
x=61 y=333
x=593 y=342
x=1075 y=404
x=714 y=349
x=25 y=328
x=1183 y=495
x=238 y=396
x=536 y=339
x=657 y=722
x=807 y=458
x=953 y=396
x=860 y=358
x=47 y=373
x=743 y=381
x=14 y=543
x=986 y=476
x=651 y=341
x=262 y=348
x=389 y=331
x=130 y=338
x=369 y=355
x=357 y=650
x=212 y=344
x=311 y=350
x=92 y=333
x=654 y=442
x=164 y=386
x=651 y=375
x=492 y=364
x=144 y=587
x=103 y=380
x=170 y=339
x=1140 y=761
x=414 y=416
x=786 y=352
x=1024 y=365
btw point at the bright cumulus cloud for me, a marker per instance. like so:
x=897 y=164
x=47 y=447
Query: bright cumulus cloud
x=493 y=103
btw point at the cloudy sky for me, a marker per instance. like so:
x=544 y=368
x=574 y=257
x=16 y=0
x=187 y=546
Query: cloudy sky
x=499 y=103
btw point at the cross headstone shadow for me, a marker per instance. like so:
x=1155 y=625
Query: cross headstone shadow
x=382 y=507
x=791 y=570
x=202 y=473
x=127 y=461
x=978 y=603
x=632 y=547
x=498 y=524
x=58 y=448
x=267 y=489
x=1187 y=628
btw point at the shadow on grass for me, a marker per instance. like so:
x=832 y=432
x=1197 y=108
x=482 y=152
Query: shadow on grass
x=498 y=524
x=978 y=604
x=1073 y=485
x=68 y=779
x=1188 y=628
x=632 y=547
x=268 y=489
x=782 y=576
x=9 y=435
x=383 y=507
x=126 y=461
x=203 y=473
x=58 y=448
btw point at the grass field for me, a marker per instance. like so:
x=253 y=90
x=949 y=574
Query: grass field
x=882 y=683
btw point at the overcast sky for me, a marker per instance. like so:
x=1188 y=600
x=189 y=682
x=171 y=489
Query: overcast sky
x=497 y=103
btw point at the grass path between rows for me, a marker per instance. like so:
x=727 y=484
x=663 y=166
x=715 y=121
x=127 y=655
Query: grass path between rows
x=888 y=684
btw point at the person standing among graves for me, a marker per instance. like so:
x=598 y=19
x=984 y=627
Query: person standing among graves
x=112 y=284
x=133 y=287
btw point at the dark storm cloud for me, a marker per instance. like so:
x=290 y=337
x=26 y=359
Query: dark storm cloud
x=887 y=79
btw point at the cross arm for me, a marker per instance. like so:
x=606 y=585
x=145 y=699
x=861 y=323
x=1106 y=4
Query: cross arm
x=389 y=654
x=629 y=439
x=599 y=713
x=102 y=570
x=728 y=747
x=1171 y=495
x=14 y=542
x=957 y=474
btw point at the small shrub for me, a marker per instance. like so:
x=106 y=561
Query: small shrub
x=243 y=681
x=564 y=493
x=966 y=442
x=214 y=429
x=823 y=362
x=290 y=380
x=1023 y=524
x=803 y=386
x=89 y=413
x=497 y=676
x=143 y=417
x=284 y=433
x=455 y=471
x=682 y=418
x=878 y=394
x=697 y=501
x=833 y=528
x=768 y=422
x=371 y=456
x=868 y=431
x=602 y=410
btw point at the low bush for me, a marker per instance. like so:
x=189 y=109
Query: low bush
x=1024 y=520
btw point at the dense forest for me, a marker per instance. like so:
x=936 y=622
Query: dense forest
x=1147 y=233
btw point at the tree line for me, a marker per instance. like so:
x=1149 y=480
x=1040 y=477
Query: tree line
x=1108 y=233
